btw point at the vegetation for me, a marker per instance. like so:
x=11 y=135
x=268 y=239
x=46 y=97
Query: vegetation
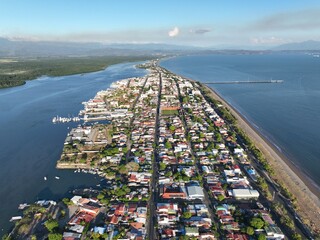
x=15 y=73
x=51 y=225
x=169 y=112
x=54 y=236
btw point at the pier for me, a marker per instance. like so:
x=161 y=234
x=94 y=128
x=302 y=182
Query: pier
x=245 y=82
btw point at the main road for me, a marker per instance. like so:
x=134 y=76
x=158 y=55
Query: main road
x=151 y=231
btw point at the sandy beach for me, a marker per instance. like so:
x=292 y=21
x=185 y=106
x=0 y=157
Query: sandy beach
x=286 y=172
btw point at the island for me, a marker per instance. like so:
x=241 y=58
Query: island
x=179 y=163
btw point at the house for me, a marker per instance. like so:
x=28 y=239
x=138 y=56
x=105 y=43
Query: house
x=173 y=191
x=75 y=199
x=274 y=232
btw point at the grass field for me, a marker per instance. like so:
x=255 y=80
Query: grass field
x=169 y=112
x=14 y=72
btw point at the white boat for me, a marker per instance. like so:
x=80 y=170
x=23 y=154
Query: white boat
x=45 y=178
x=56 y=177
x=16 y=218
x=23 y=206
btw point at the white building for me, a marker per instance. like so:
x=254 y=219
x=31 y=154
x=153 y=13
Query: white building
x=195 y=192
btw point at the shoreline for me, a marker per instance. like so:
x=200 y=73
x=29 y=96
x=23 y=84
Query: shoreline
x=288 y=173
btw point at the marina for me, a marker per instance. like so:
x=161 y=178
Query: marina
x=58 y=119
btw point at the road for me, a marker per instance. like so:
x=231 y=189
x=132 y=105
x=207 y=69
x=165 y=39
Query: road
x=132 y=119
x=151 y=232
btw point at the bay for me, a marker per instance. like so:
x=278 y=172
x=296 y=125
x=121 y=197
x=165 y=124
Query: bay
x=30 y=144
x=288 y=114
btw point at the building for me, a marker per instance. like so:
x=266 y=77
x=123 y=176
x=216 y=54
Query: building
x=244 y=194
x=195 y=192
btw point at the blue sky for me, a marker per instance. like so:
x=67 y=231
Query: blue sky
x=201 y=23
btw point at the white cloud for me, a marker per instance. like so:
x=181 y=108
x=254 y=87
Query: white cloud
x=174 y=32
x=267 y=40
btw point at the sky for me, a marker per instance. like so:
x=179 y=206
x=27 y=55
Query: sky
x=189 y=22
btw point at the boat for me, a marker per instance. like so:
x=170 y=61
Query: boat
x=56 y=177
x=16 y=218
x=23 y=206
x=45 y=178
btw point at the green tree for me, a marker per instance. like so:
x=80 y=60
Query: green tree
x=55 y=236
x=168 y=145
x=187 y=215
x=172 y=128
x=250 y=230
x=100 y=196
x=6 y=237
x=67 y=201
x=296 y=236
x=51 y=224
x=257 y=223
x=261 y=237
x=162 y=166
x=220 y=198
x=218 y=137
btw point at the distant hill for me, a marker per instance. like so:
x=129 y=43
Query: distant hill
x=299 y=46
x=9 y=48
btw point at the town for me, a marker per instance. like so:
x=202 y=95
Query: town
x=175 y=166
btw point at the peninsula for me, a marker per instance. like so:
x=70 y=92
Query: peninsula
x=180 y=163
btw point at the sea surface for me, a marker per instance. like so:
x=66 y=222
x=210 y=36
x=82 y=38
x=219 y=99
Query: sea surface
x=287 y=113
x=30 y=144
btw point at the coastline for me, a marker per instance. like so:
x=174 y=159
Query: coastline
x=294 y=179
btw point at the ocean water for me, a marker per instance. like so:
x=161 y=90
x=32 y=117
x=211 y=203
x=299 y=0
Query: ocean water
x=288 y=114
x=30 y=144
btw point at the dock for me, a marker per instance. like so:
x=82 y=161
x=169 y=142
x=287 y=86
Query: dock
x=245 y=82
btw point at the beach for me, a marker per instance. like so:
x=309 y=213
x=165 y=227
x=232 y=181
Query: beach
x=288 y=174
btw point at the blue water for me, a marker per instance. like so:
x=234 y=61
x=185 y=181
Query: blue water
x=288 y=113
x=30 y=144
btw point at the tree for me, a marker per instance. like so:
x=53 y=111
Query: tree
x=6 y=237
x=218 y=137
x=67 y=201
x=55 y=236
x=122 y=169
x=250 y=231
x=261 y=237
x=220 y=198
x=172 y=128
x=162 y=166
x=100 y=196
x=187 y=215
x=257 y=223
x=51 y=224
x=296 y=236
x=168 y=145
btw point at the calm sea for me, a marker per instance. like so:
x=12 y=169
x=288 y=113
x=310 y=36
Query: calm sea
x=30 y=144
x=288 y=114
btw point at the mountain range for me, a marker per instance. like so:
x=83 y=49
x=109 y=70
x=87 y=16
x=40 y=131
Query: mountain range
x=14 y=48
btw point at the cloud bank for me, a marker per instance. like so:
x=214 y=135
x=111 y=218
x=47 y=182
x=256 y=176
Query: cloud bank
x=200 y=31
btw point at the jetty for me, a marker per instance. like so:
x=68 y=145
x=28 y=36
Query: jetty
x=58 y=119
x=245 y=82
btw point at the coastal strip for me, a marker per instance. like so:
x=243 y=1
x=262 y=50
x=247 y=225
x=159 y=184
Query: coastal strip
x=174 y=162
x=306 y=193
